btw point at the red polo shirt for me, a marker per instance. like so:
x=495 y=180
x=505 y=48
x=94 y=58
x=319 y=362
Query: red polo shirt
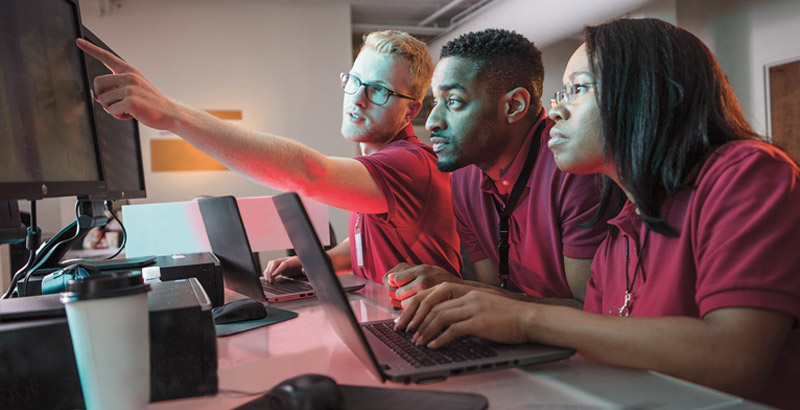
x=739 y=246
x=420 y=227
x=543 y=227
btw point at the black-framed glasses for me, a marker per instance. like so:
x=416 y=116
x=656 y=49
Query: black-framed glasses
x=570 y=92
x=376 y=94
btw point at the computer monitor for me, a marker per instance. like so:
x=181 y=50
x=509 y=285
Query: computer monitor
x=120 y=147
x=47 y=143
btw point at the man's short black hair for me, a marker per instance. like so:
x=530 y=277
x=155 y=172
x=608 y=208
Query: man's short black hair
x=505 y=59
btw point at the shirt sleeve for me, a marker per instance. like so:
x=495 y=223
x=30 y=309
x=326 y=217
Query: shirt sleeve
x=579 y=198
x=745 y=220
x=402 y=172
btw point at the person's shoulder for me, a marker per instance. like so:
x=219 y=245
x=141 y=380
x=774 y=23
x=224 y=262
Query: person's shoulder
x=410 y=150
x=409 y=146
x=751 y=153
x=466 y=175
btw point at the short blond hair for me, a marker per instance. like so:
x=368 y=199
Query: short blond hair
x=404 y=45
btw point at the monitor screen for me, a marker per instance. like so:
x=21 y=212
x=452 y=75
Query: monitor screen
x=120 y=149
x=47 y=143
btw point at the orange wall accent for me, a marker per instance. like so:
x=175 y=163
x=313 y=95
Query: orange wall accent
x=179 y=155
x=226 y=114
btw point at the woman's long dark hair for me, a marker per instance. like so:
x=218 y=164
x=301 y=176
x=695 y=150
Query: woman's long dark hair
x=665 y=106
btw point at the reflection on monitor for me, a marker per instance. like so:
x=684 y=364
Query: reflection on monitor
x=47 y=147
x=120 y=149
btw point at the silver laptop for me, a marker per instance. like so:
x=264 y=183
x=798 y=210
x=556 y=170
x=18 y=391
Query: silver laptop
x=388 y=354
x=240 y=270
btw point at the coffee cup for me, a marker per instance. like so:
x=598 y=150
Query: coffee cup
x=109 y=325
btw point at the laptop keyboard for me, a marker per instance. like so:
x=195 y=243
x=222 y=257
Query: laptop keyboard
x=286 y=287
x=461 y=349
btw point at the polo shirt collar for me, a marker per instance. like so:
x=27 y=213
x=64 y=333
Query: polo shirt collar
x=507 y=180
x=405 y=133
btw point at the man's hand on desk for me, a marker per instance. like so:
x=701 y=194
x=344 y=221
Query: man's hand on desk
x=458 y=309
x=288 y=266
x=406 y=280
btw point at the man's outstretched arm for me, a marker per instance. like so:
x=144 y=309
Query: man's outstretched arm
x=271 y=160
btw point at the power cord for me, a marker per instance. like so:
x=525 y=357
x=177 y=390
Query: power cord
x=32 y=238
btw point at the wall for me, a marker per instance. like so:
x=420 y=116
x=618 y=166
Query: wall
x=746 y=35
x=276 y=61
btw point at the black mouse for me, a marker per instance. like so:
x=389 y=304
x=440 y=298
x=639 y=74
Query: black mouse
x=304 y=392
x=239 y=311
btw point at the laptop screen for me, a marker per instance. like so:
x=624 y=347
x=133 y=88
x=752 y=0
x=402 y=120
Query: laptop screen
x=320 y=271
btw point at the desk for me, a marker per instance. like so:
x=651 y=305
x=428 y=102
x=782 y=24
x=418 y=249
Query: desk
x=256 y=360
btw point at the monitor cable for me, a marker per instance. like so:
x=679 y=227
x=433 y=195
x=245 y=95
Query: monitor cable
x=32 y=238
x=122 y=227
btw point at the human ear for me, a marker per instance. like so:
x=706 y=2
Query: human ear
x=413 y=110
x=517 y=104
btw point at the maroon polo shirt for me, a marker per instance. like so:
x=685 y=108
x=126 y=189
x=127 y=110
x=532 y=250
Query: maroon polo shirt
x=419 y=227
x=738 y=247
x=544 y=225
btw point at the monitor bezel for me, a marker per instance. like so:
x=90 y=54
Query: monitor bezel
x=34 y=190
x=111 y=193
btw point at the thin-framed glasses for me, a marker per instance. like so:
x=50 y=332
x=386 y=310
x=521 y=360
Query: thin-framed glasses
x=376 y=94
x=570 y=92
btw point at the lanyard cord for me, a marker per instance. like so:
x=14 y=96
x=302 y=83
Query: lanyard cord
x=626 y=308
x=506 y=211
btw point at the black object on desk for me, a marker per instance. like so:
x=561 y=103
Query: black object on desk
x=107 y=265
x=38 y=365
x=314 y=391
x=241 y=310
x=202 y=265
x=274 y=315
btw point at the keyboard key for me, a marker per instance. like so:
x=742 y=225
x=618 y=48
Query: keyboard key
x=461 y=349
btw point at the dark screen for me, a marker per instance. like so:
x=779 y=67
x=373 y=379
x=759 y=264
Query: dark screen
x=47 y=146
x=120 y=149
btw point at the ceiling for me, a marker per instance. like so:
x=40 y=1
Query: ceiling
x=543 y=20
x=424 y=19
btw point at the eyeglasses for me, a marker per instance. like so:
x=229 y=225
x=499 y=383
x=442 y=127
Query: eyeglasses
x=376 y=94
x=570 y=92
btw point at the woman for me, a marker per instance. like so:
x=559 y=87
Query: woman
x=699 y=276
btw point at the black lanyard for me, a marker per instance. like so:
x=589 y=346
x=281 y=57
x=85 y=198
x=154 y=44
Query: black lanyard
x=506 y=211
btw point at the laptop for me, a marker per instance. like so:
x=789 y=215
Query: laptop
x=240 y=270
x=376 y=344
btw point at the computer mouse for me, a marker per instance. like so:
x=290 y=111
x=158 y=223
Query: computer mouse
x=239 y=311
x=307 y=392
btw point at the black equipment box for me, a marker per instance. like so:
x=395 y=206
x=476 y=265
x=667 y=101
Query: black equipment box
x=37 y=364
x=203 y=265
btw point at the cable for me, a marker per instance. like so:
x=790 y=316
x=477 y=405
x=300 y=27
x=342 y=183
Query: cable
x=32 y=239
x=54 y=247
x=48 y=247
x=121 y=246
x=124 y=232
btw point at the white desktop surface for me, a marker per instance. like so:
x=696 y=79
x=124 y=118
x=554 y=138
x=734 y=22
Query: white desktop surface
x=256 y=360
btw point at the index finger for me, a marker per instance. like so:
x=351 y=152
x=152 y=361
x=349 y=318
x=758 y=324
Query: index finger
x=409 y=311
x=114 y=63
